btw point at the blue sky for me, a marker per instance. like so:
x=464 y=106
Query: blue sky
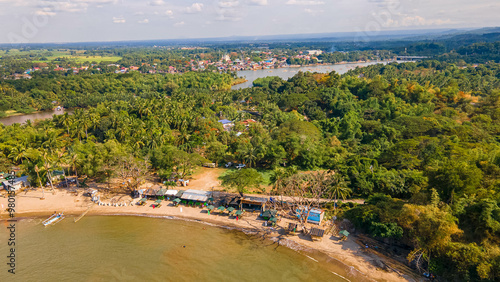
x=110 y=20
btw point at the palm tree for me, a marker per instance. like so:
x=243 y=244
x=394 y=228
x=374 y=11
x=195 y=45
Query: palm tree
x=67 y=121
x=339 y=188
x=73 y=164
x=37 y=170
x=47 y=164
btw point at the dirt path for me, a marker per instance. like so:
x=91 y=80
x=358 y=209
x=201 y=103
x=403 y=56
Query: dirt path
x=206 y=178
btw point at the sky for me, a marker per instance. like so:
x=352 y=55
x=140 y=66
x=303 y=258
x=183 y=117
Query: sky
x=42 y=21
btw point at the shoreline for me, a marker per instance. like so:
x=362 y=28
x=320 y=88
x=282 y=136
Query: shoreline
x=347 y=253
x=322 y=65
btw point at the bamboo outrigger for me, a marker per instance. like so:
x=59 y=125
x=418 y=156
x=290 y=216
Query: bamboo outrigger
x=53 y=219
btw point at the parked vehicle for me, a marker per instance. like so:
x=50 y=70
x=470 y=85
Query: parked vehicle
x=229 y=164
x=240 y=166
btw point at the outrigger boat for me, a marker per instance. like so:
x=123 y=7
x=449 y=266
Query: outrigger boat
x=53 y=219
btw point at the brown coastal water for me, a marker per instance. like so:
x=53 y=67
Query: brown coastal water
x=125 y=248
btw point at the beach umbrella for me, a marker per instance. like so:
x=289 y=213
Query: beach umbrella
x=344 y=232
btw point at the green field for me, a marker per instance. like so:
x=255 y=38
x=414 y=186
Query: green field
x=79 y=57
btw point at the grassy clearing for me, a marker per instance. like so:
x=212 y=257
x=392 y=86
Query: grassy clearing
x=78 y=57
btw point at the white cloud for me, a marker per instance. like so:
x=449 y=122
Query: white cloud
x=118 y=20
x=157 y=3
x=228 y=4
x=229 y=15
x=179 y=24
x=144 y=21
x=52 y=7
x=414 y=21
x=258 y=2
x=169 y=13
x=305 y=2
x=45 y=12
x=195 y=8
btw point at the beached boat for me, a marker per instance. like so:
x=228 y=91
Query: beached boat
x=53 y=219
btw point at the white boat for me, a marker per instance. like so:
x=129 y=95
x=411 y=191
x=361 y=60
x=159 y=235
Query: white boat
x=53 y=219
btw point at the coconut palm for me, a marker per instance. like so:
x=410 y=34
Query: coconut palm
x=37 y=170
x=339 y=188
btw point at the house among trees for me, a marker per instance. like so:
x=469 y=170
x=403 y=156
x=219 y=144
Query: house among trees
x=16 y=184
x=227 y=124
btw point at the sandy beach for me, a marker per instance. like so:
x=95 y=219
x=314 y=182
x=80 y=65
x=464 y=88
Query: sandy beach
x=349 y=252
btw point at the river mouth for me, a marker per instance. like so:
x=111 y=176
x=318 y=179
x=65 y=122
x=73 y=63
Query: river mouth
x=102 y=248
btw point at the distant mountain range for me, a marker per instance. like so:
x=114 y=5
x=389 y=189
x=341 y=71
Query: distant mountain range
x=487 y=34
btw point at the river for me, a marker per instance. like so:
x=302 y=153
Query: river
x=128 y=248
x=286 y=73
x=34 y=116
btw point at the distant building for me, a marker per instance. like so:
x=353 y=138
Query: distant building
x=314 y=52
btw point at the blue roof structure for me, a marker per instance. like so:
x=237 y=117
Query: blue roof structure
x=225 y=121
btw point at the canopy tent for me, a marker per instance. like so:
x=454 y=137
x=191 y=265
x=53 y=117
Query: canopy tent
x=273 y=219
x=344 y=233
x=238 y=213
x=158 y=202
x=268 y=214
x=230 y=209
x=143 y=200
x=210 y=207
x=221 y=208
x=177 y=200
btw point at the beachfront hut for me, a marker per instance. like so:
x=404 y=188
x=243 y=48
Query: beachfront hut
x=15 y=184
x=179 y=193
x=151 y=193
x=317 y=234
x=315 y=215
x=253 y=203
x=160 y=194
x=195 y=196
x=171 y=194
